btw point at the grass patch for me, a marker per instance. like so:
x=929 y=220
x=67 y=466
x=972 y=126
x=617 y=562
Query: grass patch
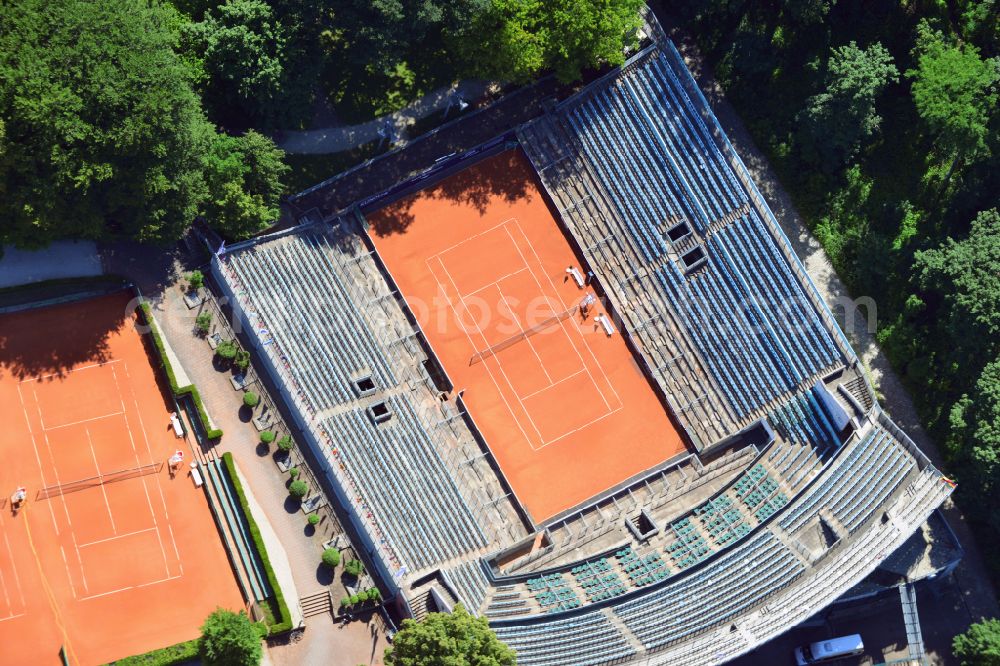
x=178 y=391
x=173 y=655
x=279 y=619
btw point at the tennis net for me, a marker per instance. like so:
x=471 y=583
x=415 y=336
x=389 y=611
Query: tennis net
x=523 y=335
x=99 y=480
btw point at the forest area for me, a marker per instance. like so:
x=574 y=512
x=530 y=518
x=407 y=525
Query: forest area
x=881 y=120
x=132 y=118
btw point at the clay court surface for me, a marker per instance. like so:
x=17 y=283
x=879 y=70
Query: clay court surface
x=481 y=260
x=115 y=568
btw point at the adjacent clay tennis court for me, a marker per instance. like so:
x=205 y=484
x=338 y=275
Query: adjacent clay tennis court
x=562 y=404
x=110 y=556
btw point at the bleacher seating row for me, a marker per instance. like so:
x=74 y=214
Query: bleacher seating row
x=471 y=584
x=719 y=590
x=297 y=288
x=405 y=483
x=585 y=640
x=746 y=311
x=859 y=480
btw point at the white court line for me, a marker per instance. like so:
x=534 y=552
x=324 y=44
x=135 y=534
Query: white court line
x=104 y=491
x=552 y=385
x=145 y=488
x=463 y=242
x=59 y=374
x=129 y=587
x=117 y=536
x=62 y=499
x=180 y=562
x=444 y=292
x=159 y=485
x=67 y=425
x=495 y=283
x=13 y=568
x=38 y=458
x=499 y=365
x=561 y=323
x=526 y=337
x=607 y=379
x=11 y=617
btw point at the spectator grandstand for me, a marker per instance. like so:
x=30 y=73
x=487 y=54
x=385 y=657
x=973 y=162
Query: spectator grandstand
x=795 y=485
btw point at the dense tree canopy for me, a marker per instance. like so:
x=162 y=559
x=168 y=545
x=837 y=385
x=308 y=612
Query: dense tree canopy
x=229 y=639
x=103 y=132
x=837 y=120
x=980 y=645
x=955 y=92
x=243 y=175
x=240 y=45
x=448 y=639
x=515 y=39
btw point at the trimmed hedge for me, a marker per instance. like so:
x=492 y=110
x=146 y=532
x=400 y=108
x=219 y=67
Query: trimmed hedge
x=282 y=614
x=178 y=391
x=173 y=655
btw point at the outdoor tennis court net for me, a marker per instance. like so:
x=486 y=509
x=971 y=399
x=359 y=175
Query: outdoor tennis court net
x=99 y=480
x=523 y=335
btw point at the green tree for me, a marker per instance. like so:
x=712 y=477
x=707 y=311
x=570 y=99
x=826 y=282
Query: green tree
x=979 y=645
x=955 y=93
x=240 y=44
x=838 y=120
x=298 y=489
x=331 y=556
x=515 y=39
x=244 y=175
x=965 y=275
x=443 y=639
x=229 y=639
x=103 y=133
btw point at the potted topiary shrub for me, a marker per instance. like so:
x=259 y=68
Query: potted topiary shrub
x=242 y=359
x=331 y=557
x=203 y=323
x=226 y=350
x=196 y=280
x=353 y=568
x=266 y=437
x=294 y=473
x=251 y=399
x=298 y=489
x=313 y=519
x=286 y=443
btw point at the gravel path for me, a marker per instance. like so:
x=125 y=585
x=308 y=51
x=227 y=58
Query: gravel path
x=338 y=139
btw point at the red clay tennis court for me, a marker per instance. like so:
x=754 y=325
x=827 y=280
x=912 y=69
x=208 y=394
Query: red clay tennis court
x=122 y=558
x=483 y=264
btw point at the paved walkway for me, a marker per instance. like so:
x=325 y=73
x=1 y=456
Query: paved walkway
x=61 y=259
x=338 y=139
x=972 y=578
x=322 y=642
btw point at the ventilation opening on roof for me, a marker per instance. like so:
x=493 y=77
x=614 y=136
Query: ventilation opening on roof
x=678 y=231
x=694 y=258
x=364 y=386
x=380 y=412
x=436 y=373
x=642 y=525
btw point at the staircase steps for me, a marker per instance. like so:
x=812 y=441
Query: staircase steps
x=316 y=603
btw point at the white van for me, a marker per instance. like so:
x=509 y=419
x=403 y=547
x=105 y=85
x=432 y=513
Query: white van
x=829 y=650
